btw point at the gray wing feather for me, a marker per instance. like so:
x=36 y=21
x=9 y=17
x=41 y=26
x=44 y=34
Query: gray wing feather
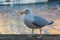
x=39 y=21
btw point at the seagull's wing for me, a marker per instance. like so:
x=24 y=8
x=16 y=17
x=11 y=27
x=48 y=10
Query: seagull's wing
x=39 y=21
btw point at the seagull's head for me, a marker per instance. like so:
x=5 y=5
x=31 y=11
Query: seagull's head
x=26 y=11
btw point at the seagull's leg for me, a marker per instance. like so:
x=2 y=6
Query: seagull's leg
x=40 y=30
x=40 y=34
x=32 y=32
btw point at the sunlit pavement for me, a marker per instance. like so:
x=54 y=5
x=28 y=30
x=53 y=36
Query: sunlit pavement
x=11 y=22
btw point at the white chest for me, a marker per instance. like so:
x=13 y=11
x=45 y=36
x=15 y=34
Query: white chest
x=28 y=19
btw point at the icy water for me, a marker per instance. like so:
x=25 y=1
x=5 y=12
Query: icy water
x=11 y=22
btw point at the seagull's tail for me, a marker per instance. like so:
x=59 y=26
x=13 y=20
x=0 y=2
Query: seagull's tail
x=51 y=23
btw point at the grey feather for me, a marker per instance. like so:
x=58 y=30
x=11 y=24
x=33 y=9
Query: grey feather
x=40 y=21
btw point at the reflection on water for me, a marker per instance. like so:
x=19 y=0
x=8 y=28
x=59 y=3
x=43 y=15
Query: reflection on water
x=11 y=21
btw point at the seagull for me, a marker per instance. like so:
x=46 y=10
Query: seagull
x=34 y=21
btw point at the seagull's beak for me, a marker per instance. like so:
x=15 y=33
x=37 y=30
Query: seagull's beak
x=22 y=12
